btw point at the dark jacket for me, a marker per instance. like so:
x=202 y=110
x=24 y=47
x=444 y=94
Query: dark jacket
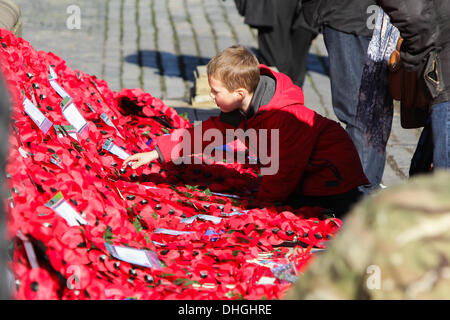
x=316 y=155
x=349 y=16
x=425 y=27
x=262 y=14
x=257 y=13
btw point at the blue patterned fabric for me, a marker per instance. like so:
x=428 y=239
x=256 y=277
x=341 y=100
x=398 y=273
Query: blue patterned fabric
x=374 y=111
x=375 y=107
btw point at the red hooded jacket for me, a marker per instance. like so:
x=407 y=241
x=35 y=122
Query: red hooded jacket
x=316 y=155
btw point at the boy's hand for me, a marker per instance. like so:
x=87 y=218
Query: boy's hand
x=140 y=159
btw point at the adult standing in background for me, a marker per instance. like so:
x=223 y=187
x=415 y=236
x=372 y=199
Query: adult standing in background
x=347 y=27
x=425 y=27
x=284 y=37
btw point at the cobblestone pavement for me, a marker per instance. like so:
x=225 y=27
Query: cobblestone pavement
x=157 y=44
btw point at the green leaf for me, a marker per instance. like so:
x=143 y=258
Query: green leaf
x=147 y=238
x=236 y=203
x=188 y=195
x=243 y=240
x=236 y=252
x=260 y=231
x=77 y=146
x=179 y=281
x=165 y=130
x=220 y=201
x=155 y=215
x=190 y=282
x=11 y=245
x=232 y=230
x=184 y=115
x=163 y=275
x=137 y=225
x=108 y=236
x=208 y=192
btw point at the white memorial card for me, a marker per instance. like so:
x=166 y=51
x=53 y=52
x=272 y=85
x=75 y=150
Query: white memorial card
x=73 y=115
x=65 y=210
x=52 y=78
x=144 y=258
x=206 y=217
x=29 y=250
x=109 y=122
x=171 y=232
x=69 y=130
x=225 y=195
x=114 y=149
x=23 y=153
x=36 y=115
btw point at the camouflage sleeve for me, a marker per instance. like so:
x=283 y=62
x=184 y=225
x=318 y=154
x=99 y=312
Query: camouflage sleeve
x=394 y=245
x=336 y=273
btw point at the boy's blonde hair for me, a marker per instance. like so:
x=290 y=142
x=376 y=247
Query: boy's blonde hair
x=236 y=67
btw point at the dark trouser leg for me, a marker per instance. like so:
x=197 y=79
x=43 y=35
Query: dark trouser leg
x=301 y=42
x=347 y=54
x=285 y=48
x=423 y=156
x=339 y=204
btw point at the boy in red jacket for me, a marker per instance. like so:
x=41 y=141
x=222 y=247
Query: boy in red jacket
x=313 y=162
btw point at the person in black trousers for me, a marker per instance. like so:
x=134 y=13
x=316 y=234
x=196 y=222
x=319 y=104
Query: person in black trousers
x=284 y=38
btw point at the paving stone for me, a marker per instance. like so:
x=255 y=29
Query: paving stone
x=131 y=70
x=244 y=33
x=151 y=75
x=169 y=58
x=202 y=29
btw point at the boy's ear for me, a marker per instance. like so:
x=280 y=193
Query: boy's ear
x=241 y=92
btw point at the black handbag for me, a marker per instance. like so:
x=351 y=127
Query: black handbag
x=410 y=89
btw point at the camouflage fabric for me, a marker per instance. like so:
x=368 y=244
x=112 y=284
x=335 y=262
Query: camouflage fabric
x=393 y=245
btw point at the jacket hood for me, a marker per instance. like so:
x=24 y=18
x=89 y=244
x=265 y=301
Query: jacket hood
x=286 y=93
